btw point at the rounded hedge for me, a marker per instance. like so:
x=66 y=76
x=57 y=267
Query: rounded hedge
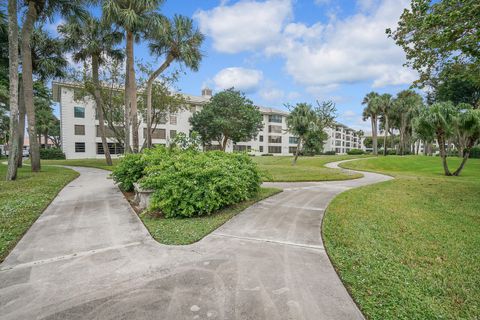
x=190 y=183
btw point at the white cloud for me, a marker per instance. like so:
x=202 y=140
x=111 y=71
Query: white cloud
x=245 y=25
x=349 y=114
x=247 y=80
x=272 y=94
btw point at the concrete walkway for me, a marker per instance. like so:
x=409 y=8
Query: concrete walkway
x=89 y=257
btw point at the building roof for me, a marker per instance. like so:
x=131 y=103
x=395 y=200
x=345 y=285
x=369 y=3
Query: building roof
x=273 y=111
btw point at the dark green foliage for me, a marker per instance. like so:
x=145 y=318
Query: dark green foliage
x=475 y=152
x=52 y=154
x=329 y=153
x=313 y=144
x=129 y=170
x=189 y=183
x=355 y=151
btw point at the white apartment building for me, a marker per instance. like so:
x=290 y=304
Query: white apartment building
x=80 y=138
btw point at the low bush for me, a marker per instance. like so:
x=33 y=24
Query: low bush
x=475 y=152
x=52 y=154
x=355 y=151
x=190 y=183
x=267 y=155
x=329 y=153
x=129 y=170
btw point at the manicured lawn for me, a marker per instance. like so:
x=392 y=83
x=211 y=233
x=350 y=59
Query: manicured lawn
x=307 y=168
x=92 y=163
x=409 y=248
x=177 y=231
x=22 y=201
x=273 y=168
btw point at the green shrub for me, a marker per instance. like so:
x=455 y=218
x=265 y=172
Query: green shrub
x=267 y=155
x=329 y=153
x=189 y=183
x=355 y=151
x=52 y=154
x=129 y=170
x=475 y=152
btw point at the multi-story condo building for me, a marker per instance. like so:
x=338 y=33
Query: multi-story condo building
x=80 y=138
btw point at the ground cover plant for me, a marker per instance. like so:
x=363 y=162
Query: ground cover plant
x=22 y=201
x=409 y=248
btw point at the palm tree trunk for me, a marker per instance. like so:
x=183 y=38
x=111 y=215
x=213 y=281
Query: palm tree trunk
x=132 y=90
x=21 y=123
x=127 y=108
x=27 y=78
x=443 y=155
x=99 y=103
x=150 y=81
x=462 y=165
x=297 y=152
x=13 y=88
x=374 y=135
x=385 y=137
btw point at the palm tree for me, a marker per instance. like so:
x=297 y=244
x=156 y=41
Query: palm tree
x=135 y=17
x=384 y=104
x=300 y=122
x=92 y=39
x=405 y=107
x=36 y=10
x=13 y=88
x=178 y=41
x=371 y=111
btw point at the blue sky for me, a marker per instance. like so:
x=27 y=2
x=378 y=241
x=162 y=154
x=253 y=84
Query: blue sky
x=289 y=51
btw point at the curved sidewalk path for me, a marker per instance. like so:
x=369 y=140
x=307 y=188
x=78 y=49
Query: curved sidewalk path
x=88 y=256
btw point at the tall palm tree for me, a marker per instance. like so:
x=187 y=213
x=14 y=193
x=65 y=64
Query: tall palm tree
x=135 y=17
x=300 y=122
x=177 y=41
x=39 y=10
x=13 y=88
x=384 y=104
x=95 y=40
x=405 y=108
x=371 y=111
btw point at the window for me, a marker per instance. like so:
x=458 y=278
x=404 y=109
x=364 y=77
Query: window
x=114 y=148
x=173 y=133
x=292 y=149
x=79 y=130
x=108 y=131
x=79 y=112
x=275 y=139
x=156 y=134
x=274 y=149
x=162 y=118
x=338 y=150
x=261 y=138
x=293 y=140
x=261 y=148
x=173 y=120
x=79 y=146
x=275 y=118
x=242 y=148
x=275 y=129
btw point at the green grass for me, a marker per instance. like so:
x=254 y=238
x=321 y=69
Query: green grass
x=278 y=168
x=409 y=248
x=307 y=168
x=91 y=163
x=178 y=231
x=22 y=201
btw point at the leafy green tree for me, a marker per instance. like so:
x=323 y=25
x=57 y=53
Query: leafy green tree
x=308 y=124
x=94 y=40
x=384 y=105
x=136 y=17
x=371 y=112
x=433 y=33
x=35 y=11
x=314 y=142
x=229 y=116
x=176 y=41
x=458 y=83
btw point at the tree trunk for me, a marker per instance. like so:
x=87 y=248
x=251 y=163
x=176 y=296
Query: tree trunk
x=99 y=103
x=464 y=161
x=132 y=91
x=150 y=81
x=374 y=135
x=297 y=152
x=127 y=107
x=13 y=88
x=21 y=123
x=224 y=143
x=385 y=153
x=441 y=144
x=27 y=78
x=45 y=137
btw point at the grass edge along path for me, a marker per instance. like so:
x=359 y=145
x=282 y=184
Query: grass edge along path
x=182 y=231
x=22 y=201
x=409 y=248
